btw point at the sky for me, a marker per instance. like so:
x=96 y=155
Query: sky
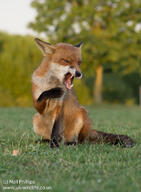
x=15 y=16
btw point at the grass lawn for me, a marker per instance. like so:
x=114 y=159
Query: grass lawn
x=83 y=168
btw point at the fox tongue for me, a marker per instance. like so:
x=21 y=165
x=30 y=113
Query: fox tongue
x=68 y=83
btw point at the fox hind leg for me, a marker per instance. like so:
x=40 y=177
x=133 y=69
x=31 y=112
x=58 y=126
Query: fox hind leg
x=40 y=127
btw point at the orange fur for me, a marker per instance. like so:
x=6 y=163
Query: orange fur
x=75 y=123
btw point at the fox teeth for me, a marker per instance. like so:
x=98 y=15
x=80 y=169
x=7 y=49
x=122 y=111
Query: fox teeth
x=71 y=75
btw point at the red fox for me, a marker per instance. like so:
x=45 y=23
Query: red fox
x=60 y=117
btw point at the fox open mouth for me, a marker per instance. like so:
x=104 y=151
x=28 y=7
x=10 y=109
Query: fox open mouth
x=68 y=80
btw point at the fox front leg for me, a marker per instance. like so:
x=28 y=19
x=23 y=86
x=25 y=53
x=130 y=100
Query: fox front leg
x=55 y=137
x=51 y=94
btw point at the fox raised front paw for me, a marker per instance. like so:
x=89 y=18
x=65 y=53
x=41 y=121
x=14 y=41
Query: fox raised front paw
x=125 y=141
x=52 y=93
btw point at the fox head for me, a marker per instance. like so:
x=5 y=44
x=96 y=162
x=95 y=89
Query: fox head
x=65 y=60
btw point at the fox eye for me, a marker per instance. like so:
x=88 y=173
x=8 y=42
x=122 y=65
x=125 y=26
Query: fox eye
x=66 y=61
x=79 y=63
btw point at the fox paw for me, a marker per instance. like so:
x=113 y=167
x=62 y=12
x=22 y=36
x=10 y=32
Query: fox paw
x=52 y=93
x=54 y=143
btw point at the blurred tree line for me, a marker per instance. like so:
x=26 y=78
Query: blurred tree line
x=18 y=57
x=111 y=31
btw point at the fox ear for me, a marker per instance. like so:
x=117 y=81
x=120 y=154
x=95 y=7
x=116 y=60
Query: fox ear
x=45 y=47
x=79 y=45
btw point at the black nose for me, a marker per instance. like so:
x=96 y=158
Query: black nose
x=78 y=74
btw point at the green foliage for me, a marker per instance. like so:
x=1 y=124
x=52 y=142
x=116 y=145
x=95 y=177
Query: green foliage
x=107 y=28
x=83 y=168
x=111 y=39
x=117 y=91
x=18 y=58
x=83 y=93
x=121 y=89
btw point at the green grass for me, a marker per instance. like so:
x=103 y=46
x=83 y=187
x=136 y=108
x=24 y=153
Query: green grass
x=83 y=168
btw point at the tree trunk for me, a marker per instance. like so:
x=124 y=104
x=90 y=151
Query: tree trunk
x=98 y=85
